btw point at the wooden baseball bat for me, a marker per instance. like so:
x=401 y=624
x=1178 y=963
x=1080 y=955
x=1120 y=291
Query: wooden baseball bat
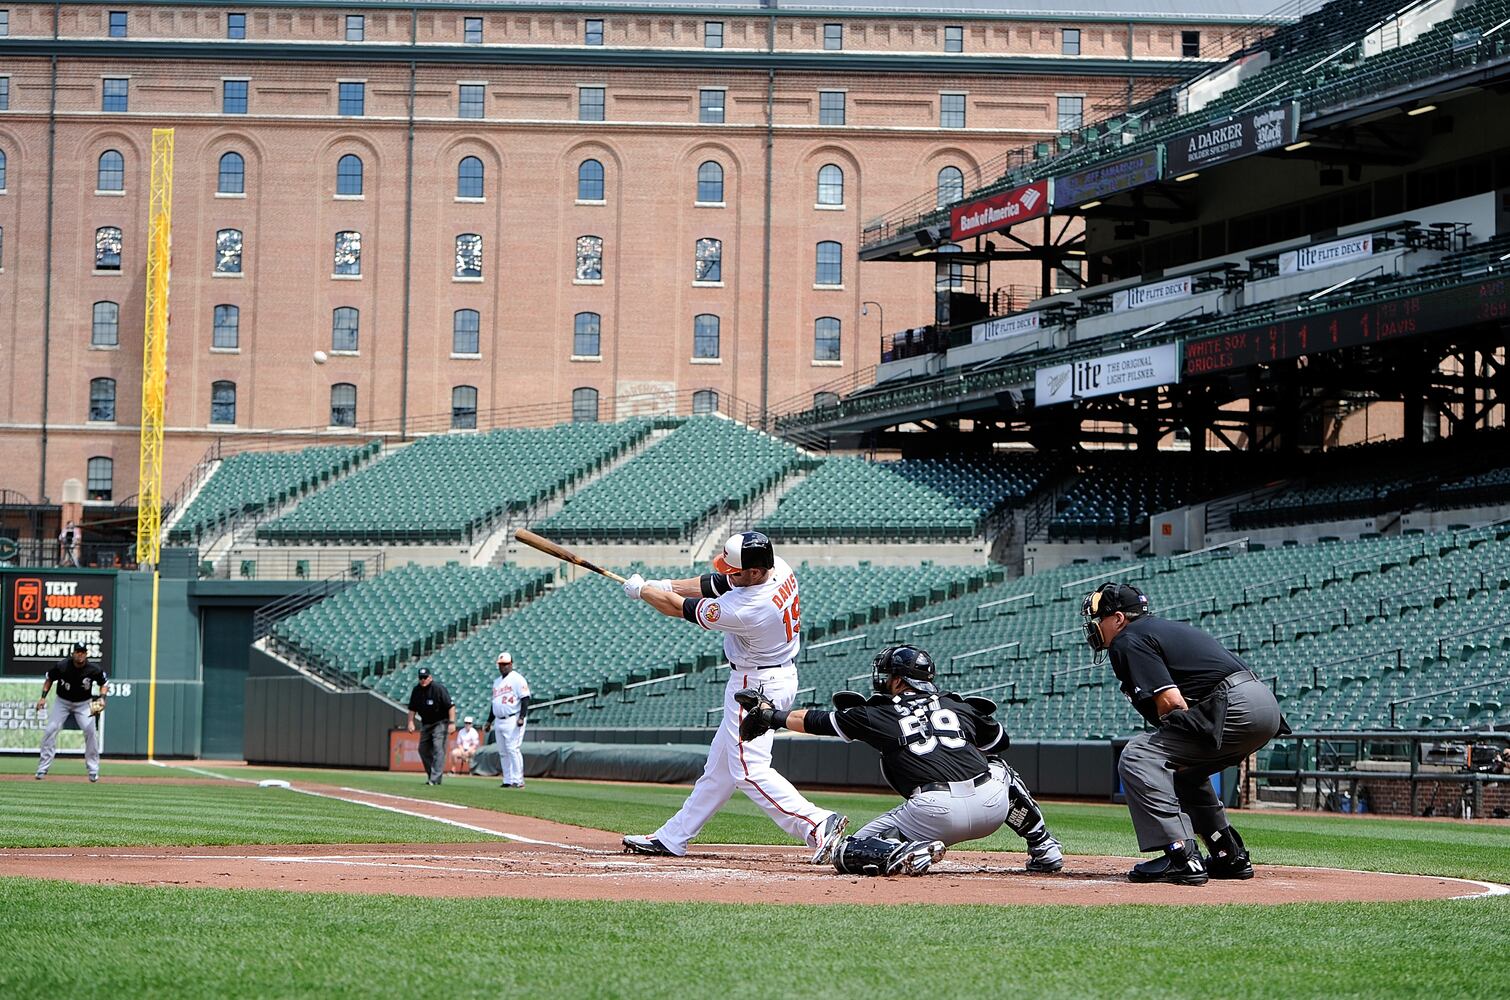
x=561 y=552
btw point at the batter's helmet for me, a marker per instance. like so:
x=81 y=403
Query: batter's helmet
x=746 y=550
x=910 y=663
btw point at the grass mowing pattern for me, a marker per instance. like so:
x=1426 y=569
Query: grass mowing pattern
x=50 y=814
x=284 y=944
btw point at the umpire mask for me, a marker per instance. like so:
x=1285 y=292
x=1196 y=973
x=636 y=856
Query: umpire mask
x=1105 y=600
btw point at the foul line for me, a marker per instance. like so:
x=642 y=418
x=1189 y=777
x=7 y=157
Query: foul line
x=406 y=798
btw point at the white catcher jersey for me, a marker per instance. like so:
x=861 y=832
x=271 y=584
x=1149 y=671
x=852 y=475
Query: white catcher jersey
x=506 y=694
x=762 y=625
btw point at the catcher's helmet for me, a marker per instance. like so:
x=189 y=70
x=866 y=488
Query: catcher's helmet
x=910 y=663
x=746 y=550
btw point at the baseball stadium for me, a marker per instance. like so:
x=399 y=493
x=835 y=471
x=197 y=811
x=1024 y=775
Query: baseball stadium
x=1053 y=539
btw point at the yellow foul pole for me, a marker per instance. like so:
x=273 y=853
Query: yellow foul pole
x=149 y=514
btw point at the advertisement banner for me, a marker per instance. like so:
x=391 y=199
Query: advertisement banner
x=45 y=612
x=1099 y=182
x=1007 y=326
x=1326 y=254
x=1230 y=139
x=1109 y=375
x=1152 y=294
x=986 y=215
x=403 y=750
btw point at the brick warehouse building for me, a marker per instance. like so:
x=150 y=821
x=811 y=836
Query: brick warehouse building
x=496 y=213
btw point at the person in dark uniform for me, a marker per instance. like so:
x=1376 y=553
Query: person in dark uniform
x=75 y=677
x=1211 y=712
x=437 y=717
x=933 y=753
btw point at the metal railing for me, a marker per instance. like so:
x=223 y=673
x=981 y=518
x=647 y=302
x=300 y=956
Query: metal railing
x=1496 y=682
x=1442 y=639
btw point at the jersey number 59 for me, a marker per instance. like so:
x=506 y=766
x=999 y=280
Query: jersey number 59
x=922 y=735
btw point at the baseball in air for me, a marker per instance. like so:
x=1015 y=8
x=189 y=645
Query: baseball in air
x=320 y=357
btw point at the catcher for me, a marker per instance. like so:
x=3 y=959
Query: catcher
x=931 y=747
x=75 y=675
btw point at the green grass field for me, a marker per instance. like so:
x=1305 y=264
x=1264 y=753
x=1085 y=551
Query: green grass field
x=181 y=942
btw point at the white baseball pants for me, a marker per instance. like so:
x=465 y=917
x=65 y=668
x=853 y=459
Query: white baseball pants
x=57 y=714
x=508 y=734
x=747 y=767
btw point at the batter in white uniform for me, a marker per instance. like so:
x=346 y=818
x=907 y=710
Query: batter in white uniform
x=753 y=601
x=511 y=701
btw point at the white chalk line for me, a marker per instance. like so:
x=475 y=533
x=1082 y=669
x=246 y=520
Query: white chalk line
x=406 y=798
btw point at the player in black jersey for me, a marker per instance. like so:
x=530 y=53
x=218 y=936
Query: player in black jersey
x=932 y=748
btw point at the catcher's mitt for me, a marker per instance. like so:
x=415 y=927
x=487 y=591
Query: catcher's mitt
x=758 y=711
x=96 y=706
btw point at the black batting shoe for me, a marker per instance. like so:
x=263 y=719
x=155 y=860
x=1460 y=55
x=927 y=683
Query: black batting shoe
x=1228 y=855
x=1181 y=867
x=635 y=844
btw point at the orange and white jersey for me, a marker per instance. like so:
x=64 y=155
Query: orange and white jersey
x=506 y=694
x=762 y=625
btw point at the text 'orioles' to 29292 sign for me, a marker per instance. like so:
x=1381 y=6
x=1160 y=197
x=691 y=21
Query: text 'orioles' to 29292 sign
x=45 y=613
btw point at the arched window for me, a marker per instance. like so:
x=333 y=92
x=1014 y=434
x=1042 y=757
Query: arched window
x=710 y=183
x=345 y=329
x=587 y=335
x=349 y=174
x=106 y=329
x=112 y=172
x=227 y=332
x=464 y=407
x=830 y=184
x=102 y=399
x=100 y=478
x=830 y=269
x=228 y=251
x=469 y=177
x=343 y=405
x=466 y=332
x=469 y=256
x=107 y=249
x=708 y=260
x=589 y=258
x=951 y=186
x=348 y=256
x=705 y=401
x=826 y=338
x=705 y=336
x=232 y=174
x=222 y=402
x=590 y=181
x=584 y=405
x=823 y=400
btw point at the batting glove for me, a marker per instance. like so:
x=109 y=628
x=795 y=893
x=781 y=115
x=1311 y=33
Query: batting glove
x=633 y=586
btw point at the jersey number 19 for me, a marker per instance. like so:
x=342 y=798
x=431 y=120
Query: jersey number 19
x=791 y=616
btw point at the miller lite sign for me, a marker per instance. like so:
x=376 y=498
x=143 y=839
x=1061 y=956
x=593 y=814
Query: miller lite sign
x=1108 y=375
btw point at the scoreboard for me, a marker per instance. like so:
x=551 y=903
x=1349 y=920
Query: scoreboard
x=1381 y=322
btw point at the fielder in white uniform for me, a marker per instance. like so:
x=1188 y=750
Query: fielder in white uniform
x=511 y=702
x=753 y=601
x=468 y=739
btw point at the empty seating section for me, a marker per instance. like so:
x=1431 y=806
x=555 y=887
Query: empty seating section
x=1350 y=634
x=372 y=627
x=254 y=481
x=708 y=465
x=1116 y=493
x=586 y=635
x=448 y=487
x=849 y=499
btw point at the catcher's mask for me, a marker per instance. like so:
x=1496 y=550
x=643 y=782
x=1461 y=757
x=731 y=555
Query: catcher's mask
x=1108 y=599
x=910 y=663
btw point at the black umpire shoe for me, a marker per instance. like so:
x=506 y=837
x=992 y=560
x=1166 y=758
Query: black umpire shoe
x=1181 y=867
x=1229 y=855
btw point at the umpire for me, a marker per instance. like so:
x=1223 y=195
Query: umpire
x=1211 y=712
x=437 y=717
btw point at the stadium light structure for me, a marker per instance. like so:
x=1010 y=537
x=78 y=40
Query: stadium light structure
x=1297 y=146
x=1187 y=177
x=1422 y=110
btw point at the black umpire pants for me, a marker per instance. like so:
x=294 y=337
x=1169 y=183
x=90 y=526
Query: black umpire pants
x=432 y=749
x=1165 y=774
